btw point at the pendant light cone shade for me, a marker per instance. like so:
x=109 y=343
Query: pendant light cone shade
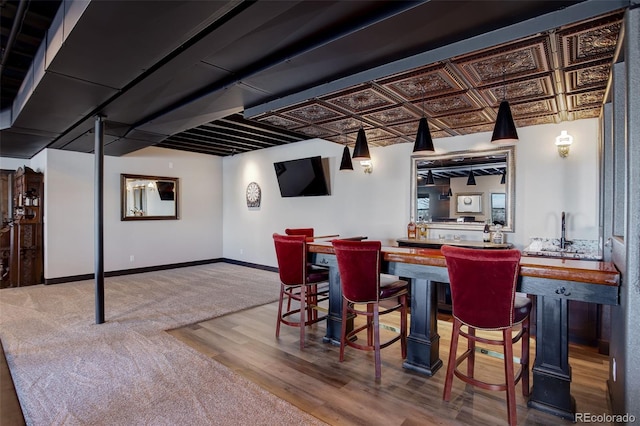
x=504 y=131
x=503 y=180
x=450 y=193
x=424 y=143
x=471 y=180
x=430 y=180
x=346 y=164
x=361 y=151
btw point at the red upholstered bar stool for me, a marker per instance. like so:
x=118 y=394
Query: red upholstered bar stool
x=362 y=284
x=483 y=293
x=307 y=232
x=299 y=281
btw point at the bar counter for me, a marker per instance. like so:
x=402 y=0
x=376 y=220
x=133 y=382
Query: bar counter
x=552 y=281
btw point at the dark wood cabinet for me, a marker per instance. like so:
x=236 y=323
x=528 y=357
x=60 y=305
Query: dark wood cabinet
x=26 y=263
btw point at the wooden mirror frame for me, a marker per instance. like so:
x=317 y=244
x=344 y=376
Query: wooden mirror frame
x=509 y=154
x=125 y=207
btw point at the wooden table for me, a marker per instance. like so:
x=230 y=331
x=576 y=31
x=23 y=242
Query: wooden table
x=552 y=281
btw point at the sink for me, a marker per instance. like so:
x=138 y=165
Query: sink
x=550 y=247
x=557 y=254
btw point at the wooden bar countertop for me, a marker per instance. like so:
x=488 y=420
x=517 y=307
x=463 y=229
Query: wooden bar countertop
x=585 y=271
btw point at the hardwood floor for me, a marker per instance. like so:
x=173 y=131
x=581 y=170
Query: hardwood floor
x=10 y=410
x=346 y=393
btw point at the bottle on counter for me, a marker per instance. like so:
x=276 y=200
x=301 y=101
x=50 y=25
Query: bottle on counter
x=498 y=236
x=486 y=235
x=411 y=230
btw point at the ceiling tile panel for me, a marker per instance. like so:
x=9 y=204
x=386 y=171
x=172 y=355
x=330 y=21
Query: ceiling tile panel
x=579 y=79
x=449 y=105
x=506 y=62
x=311 y=112
x=360 y=99
x=280 y=121
x=589 y=41
x=592 y=99
x=534 y=108
x=394 y=115
x=537 y=87
x=534 y=121
x=423 y=83
x=467 y=119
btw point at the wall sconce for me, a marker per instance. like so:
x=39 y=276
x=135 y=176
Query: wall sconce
x=563 y=142
x=367 y=166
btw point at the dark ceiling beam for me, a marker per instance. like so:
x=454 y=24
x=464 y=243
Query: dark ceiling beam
x=252 y=126
x=243 y=134
x=210 y=141
x=228 y=137
x=196 y=149
x=206 y=147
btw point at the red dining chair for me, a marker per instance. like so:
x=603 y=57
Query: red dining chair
x=483 y=293
x=299 y=281
x=363 y=284
x=307 y=232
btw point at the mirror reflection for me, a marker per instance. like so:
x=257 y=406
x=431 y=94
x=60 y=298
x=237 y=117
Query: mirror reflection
x=148 y=197
x=465 y=189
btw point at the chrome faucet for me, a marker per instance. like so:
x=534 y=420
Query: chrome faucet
x=563 y=240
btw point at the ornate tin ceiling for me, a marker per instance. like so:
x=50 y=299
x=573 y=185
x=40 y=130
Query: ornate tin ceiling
x=548 y=78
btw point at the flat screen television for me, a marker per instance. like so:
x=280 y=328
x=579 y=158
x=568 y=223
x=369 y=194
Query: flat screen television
x=301 y=178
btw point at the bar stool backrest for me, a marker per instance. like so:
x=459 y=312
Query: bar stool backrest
x=483 y=285
x=359 y=266
x=291 y=253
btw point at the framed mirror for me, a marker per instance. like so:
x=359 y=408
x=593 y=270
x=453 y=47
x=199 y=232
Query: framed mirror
x=148 y=197
x=463 y=190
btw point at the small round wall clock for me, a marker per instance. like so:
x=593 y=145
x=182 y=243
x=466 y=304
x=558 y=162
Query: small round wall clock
x=253 y=195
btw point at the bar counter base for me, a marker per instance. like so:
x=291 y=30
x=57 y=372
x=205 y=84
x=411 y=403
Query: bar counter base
x=422 y=356
x=563 y=412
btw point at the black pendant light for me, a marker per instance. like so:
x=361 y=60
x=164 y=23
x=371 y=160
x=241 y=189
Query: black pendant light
x=346 y=163
x=423 y=143
x=450 y=193
x=503 y=180
x=430 y=181
x=504 y=131
x=361 y=151
x=471 y=180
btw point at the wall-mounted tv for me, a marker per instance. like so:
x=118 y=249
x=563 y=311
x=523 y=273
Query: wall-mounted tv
x=301 y=178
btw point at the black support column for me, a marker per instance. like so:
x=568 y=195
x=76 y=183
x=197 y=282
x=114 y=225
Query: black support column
x=99 y=217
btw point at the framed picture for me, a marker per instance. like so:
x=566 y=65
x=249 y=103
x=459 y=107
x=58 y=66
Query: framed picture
x=470 y=202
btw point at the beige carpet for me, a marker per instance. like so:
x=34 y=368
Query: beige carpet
x=69 y=371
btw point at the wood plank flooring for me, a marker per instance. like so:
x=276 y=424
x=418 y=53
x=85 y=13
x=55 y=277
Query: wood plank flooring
x=346 y=393
x=10 y=410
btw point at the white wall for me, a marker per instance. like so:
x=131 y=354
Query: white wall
x=377 y=205
x=216 y=222
x=69 y=211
